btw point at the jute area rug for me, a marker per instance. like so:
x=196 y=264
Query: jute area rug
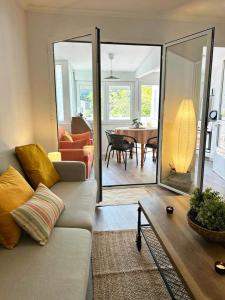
x=120 y=272
x=123 y=196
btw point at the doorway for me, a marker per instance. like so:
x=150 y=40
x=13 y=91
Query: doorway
x=79 y=139
x=130 y=88
x=130 y=85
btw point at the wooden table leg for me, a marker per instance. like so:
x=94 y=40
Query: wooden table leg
x=142 y=154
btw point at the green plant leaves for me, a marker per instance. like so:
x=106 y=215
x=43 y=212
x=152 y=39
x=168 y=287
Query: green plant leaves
x=208 y=207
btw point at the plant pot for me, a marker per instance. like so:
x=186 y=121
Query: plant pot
x=210 y=235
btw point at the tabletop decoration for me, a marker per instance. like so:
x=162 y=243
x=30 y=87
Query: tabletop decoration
x=136 y=123
x=220 y=267
x=169 y=210
x=207 y=214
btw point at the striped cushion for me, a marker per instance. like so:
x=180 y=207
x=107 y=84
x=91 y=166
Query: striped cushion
x=39 y=214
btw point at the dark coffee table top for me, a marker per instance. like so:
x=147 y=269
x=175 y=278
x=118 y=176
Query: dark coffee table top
x=192 y=256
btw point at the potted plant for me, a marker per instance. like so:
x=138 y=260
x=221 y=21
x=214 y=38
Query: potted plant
x=136 y=123
x=207 y=214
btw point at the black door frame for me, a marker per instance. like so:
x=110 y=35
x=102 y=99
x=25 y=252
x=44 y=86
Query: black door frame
x=160 y=84
x=99 y=125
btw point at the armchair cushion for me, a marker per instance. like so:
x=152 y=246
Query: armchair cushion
x=82 y=136
x=67 y=137
x=79 y=144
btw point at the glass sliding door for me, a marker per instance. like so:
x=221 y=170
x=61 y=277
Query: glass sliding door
x=77 y=93
x=184 y=106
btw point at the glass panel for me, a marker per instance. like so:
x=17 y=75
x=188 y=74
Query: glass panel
x=222 y=108
x=119 y=102
x=59 y=92
x=221 y=139
x=146 y=103
x=76 y=104
x=182 y=114
x=86 y=99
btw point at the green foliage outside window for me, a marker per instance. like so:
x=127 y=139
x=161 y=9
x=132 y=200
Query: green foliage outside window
x=146 y=100
x=119 y=102
x=86 y=100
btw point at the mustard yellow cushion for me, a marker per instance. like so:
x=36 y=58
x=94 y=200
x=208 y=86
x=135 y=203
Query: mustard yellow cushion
x=37 y=165
x=67 y=137
x=14 y=191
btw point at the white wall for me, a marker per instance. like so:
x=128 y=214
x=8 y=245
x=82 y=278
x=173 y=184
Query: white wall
x=42 y=27
x=15 y=105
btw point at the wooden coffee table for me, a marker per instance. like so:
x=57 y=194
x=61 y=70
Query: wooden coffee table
x=190 y=256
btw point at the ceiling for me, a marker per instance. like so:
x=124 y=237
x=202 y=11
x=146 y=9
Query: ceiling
x=125 y=56
x=170 y=9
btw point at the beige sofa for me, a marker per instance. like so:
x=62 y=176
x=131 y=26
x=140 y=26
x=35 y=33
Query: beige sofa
x=59 y=270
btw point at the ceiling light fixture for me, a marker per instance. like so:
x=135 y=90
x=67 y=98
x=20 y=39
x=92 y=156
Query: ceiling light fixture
x=111 y=77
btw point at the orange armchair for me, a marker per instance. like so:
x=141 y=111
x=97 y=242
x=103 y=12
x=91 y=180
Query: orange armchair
x=79 y=155
x=76 y=150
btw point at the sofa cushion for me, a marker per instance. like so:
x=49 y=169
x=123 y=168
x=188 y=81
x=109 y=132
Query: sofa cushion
x=80 y=201
x=39 y=215
x=37 y=165
x=57 y=271
x=14 y=191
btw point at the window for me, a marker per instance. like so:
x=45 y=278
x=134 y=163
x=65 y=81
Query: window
x=85 y=95
x=59 y=92
x=119 y=101
x=149 y=102
x=146 y=101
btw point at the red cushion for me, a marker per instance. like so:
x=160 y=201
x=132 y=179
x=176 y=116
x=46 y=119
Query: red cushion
x=81 y=136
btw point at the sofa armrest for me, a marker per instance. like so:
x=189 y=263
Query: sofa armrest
x=70 y=170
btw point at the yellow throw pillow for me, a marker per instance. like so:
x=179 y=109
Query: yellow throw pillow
x=37 y=165
x=14 y=191
x=67 y=137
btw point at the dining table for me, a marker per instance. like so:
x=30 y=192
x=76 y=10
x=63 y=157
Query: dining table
x=141 y=136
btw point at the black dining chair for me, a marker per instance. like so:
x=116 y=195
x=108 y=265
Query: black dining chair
x=152 y=143
x=108 y=132
x=122 y=144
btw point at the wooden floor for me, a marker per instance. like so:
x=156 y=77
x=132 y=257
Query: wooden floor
x=211 y=179
x=121 y=217
x=115 y=174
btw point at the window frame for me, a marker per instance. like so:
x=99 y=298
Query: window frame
x=154 y=113
x=107 y=84
x=78 y=83
x=66 y=90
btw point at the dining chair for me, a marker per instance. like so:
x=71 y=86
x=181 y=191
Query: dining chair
x=152 y=143
x=122 y=144
x=108 y=132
